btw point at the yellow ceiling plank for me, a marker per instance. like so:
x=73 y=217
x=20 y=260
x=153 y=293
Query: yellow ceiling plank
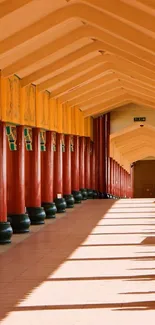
x=94 y=93
x=142 y=97
x=87 y=14
x=126 y=12
x=101 y=98
x=43 y=52
x=59 y=64
x=130 y=128
x=118 y=45
x=108 y=105
x=86 y=88
x=96 y=72
x=133 y=142
x=8 y=6
x=98 y=46
x=89 y=64
x=133 y=74
x=131 y=66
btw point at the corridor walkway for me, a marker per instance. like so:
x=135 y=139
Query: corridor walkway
x=94 y=265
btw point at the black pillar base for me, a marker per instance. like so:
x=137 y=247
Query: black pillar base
x=37 y=215
x=77 y=196
x=50 y=209
x=95 y=194
x=102 y=195
x=69 y=198
x=5 y=233
x=90 y=193
x=20 y=223
x=84 y=193
x=61 y=205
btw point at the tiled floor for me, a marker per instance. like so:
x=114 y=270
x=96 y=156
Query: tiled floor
x=93 y=265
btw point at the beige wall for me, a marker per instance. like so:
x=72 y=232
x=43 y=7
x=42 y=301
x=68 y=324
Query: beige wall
x=123 y=117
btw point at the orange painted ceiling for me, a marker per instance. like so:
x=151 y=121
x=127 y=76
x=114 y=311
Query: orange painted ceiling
x=97 y=54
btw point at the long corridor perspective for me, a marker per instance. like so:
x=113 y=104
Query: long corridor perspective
x=93 y=265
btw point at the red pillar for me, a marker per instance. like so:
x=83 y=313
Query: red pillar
x=67 y=166
x=47 y=176
x=16 y=185
x=102 y=185
x=132 y=180
x=106 y=147
x=58 y=166
x=5 y=228
x=75 y=171
x=87 y=169
x=33 y=180
x=119 y=181
x=92 y=166
x=82 y=145
x=111 y=176
x=87 y=163
x=58 y=174
x=67 y=184
x=96 y=144
x=122 y=182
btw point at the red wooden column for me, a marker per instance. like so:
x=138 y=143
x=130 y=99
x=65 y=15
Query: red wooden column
x=82 y=147
x=5 y=228
x=106 y=147
x=87 y=168
x=119 y=181
x=122 y=182
x=75 y=171
x=33 y=180
x=96 y=148
x=47 y=176
x=58 y=174
x=111 y=176
x=87 y=163
x=20 y=221
x=93 y=169
x=114 y=177
x=67 y=183
x=102 y=184
x=132 y=180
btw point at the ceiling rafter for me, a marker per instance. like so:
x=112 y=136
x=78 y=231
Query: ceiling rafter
x=73 y=72
x=108 y=105
x=87 y=88
x=87 y=14
x=126 y=12
x=94 y=73
x=8 y=6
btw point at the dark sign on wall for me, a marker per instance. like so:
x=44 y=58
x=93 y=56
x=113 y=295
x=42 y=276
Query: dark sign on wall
x=139 y=119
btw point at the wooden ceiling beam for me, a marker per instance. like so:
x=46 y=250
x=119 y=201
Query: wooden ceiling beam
x=43 y=52
x=87 y=14
x=95 y=46
x=93 y=74
x=90 y=86
x=94 y=93
x=119 y=47
x=102 y=98
x=134 y=76
x=8 y=6
x=108 y=105
x=131 y=66
x=106 y=57
x=73 y=72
